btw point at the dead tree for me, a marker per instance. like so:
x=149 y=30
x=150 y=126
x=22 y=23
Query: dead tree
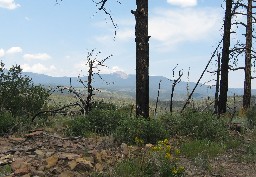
x=248 y=58
x=142 y=58
x=174 y=83
x=216 y=102
x=84 y=101
x=225 y=58
x=157 y=98
x=205 y=69
x=246 y=48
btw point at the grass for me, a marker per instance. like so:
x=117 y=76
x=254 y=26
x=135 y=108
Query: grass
x=202 y=135
x=5 y=170
x=194 y=148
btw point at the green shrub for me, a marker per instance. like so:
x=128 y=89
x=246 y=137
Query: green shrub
x=79 y=126
x=208 y=148
x=150 y=131
x=5 y=170
x=7 y=122
x=202 y=125
x=159 y=160
x=104 y=122
x=100 y=105
x=198 y=125
x=251 y=117
x=133 y=168
x=18 y=94
x=172 y=123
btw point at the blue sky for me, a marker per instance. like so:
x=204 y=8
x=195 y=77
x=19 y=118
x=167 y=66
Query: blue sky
x=53 y=39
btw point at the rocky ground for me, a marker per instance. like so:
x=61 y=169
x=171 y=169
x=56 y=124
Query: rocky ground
x=41 y=153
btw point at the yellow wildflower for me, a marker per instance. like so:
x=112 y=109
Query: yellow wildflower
x=177 y=151
x=174 y=171
x=166 y=141
x=168 y=155
x=168 y=148
x=181 y=169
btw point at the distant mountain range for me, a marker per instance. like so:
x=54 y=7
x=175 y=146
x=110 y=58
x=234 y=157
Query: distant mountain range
x=126 y=84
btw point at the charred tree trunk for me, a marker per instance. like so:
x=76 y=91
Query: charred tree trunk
x=248 y=58
x=142 y=58
x=89 y=88
x=225 y=59
x=216 y=102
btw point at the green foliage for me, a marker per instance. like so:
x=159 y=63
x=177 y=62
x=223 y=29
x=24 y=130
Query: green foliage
x=149 y=130
x=251 y=117
x=172 y=123
x=197 y=125
x=7 y=122
x=103 y=105
x=133 y=168
x=104 y=122
x=193 y=148
x=159 y=160
x=248 y=154
x=18 y=94
x=79 y=126
x=5 y=170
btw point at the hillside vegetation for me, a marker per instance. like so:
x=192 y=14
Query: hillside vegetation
x=111 y=141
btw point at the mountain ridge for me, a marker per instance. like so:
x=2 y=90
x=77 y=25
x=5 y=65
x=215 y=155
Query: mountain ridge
x=121 y=82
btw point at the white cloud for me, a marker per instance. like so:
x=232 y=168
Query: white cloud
x=102 y=70
x=125 y=34
x=183 y=3
x=9 y=4
x=39 y=68
x=14 y=50
x=172 y=27
x=2 y=53
x=39 y=56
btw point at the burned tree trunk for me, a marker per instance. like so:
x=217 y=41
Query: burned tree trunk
x=216 y=102
x=142 y=58
x=89 y=88
x=248 y=58
x=225 y=59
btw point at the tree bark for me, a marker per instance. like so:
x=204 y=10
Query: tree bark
x=225 y=59
x=216 y=102
x=248 y=58
x=142 y=58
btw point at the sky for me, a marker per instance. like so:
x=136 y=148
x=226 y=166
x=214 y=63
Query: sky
x=54 y=39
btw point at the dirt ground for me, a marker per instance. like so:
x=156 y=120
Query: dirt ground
x=41 y=153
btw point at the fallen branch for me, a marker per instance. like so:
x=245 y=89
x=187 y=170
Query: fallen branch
x=55 y=110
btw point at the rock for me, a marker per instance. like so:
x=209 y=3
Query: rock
x=83 y=165
x=124 y=148
x=39 y=153
x=67 y=174
x=49 y=153
x=16 y=140
x=6 y=159
x=41 y=168
x=89 y=158
x=104 y=155
x=20 y=167
x=97 y=157
x=69 y=156
x=72 y=164
x=37 y=173
x=98 y=167
x=52 y=161
x=148 y=146
x=31 y=156
x=36 y=133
